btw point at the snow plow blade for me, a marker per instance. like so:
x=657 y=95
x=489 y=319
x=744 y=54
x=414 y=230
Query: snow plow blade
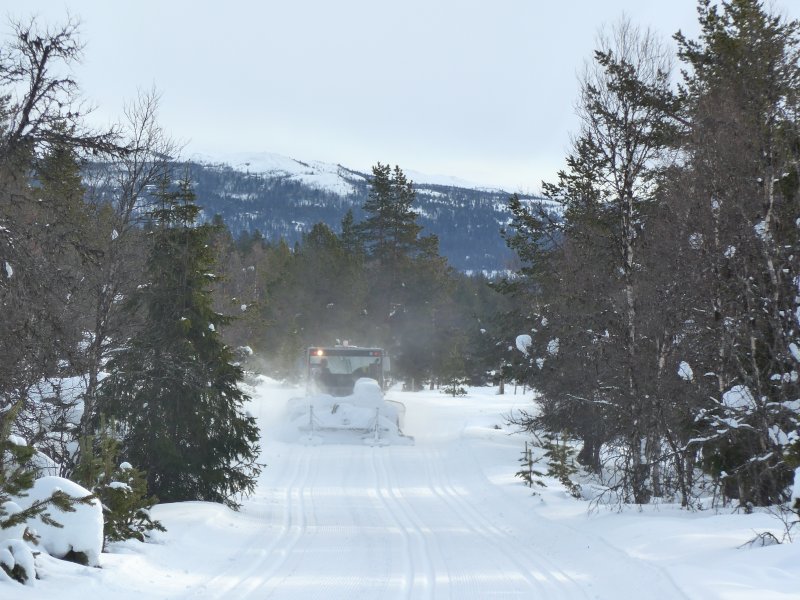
x=364 y=416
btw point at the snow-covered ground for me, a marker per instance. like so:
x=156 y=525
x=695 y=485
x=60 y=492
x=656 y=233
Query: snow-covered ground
x=443 y=518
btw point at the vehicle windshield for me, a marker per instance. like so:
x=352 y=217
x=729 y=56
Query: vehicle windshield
x=347 y=365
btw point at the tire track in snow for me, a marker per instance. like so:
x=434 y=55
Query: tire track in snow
x=414 y=542
x=470 y=582
x=464 y=580
x=340 y=517
x=539 y=574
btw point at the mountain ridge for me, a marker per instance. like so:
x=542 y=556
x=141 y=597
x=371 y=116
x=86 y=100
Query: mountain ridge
x=274 y=163
x=283 y=198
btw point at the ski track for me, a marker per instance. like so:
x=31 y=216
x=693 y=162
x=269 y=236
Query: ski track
x=253 y=560
x=649 y=573
x=507 y=551
x=406 y=522
x=415 y=540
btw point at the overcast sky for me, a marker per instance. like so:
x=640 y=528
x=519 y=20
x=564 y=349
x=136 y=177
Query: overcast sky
x=479 y=89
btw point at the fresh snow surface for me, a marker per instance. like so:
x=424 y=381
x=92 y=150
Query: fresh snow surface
x=443 y=518
x=315 y=174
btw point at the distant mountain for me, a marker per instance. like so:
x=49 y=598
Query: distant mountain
x=283 y=198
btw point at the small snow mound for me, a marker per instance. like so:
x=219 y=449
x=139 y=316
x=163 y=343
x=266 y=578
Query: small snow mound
x=367 y=393
x=80 y=531
x=685 y=371
x=524 y=342
x=739 y=397
x=17 y=531
x=16 y=553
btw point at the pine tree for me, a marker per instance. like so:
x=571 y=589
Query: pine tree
x=390 y=230
x=172 y=389
x=408 y=276
x=350 y=236
x=453 y=369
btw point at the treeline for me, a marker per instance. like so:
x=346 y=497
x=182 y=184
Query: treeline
x=664 y=308
x=380 y=282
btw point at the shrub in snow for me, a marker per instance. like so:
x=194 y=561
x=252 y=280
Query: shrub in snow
x=528 y=472
x=454 y=373
x=455 y=387
x=561 y=464
x=122 y=490
x=126 y=505
x=16 y=477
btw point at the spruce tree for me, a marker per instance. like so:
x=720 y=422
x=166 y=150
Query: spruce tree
x=172 y=389
x=407 y=273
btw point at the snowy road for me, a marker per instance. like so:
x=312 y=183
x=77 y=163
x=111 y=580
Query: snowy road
x=432 y=520
x=444 y=518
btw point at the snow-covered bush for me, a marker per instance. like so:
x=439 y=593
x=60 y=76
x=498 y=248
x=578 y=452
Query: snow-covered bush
x=74 y=530
x=16 y=561
x=17 y=508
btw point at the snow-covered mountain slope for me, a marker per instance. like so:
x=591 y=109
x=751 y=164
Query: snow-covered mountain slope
x=320 y=175
x=314 y=174
x=283 y=198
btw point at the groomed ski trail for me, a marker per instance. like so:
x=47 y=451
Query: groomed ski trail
x=420 y=522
